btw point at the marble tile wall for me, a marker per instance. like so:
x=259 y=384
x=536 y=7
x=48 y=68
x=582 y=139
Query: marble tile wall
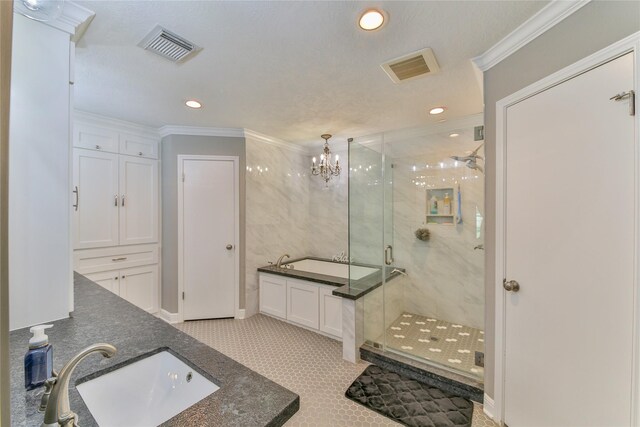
x=446 y=274
x=329 y=212
x=277 y=214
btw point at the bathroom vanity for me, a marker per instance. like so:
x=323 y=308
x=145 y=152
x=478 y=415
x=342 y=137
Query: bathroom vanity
x=244 y=397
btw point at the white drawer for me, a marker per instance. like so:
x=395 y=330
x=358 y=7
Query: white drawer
x=95 y=138
x=138 y=146
x=104 y=259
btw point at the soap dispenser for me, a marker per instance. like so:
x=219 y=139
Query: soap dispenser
x=38 y=362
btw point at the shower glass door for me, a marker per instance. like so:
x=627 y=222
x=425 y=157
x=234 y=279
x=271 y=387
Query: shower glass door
x=416 y=213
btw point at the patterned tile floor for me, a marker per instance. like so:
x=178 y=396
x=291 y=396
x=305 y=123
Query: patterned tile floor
x=307 y=363
x=449 y=344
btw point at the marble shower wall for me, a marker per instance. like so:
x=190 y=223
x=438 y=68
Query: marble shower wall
x=329 y=212
x=446 y=274
x=277 y=214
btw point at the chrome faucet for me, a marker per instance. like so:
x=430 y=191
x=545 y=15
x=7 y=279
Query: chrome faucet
x=279 y=262
x=56 y=397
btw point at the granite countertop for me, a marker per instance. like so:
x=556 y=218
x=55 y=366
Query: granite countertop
x=245 y=398
x=354 y=290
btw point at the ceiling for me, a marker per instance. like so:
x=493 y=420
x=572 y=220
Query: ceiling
x=291 y=70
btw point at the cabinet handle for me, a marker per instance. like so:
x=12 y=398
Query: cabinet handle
x=77 y=198
x=122 y=258
x=139 y=153
x=116 y=278
x=115 y=200
x=123 y=276
x=122 y=200
x=98 y=147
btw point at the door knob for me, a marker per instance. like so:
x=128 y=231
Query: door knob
x=229 y=247
x=511 y=285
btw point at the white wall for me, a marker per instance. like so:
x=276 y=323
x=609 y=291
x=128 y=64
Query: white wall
x=40 y=277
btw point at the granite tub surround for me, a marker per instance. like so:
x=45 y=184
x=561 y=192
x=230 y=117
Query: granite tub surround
x=244 y=398
x=277 y=217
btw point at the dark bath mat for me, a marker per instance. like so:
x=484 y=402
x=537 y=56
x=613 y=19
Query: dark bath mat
x=409 y=402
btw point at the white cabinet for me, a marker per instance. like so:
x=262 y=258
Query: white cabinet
x=302 y=303
x=273 y=296
x=138 y=285
x=330 y=312
x=116 y=199
x=138 y=200
x=95 y=208
x=113 y=140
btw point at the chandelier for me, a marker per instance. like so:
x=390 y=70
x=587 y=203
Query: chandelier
x=326 y=170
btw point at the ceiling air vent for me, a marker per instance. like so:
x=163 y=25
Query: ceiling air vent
x=412 y=66
x=168 y=45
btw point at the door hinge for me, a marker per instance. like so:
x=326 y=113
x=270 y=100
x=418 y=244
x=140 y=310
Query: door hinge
x=183 y=177
x=631 y=96
x=183 y=295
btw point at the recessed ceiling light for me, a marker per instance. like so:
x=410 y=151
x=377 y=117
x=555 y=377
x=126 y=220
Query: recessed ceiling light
x=192 y=103
x=453 y=135
x=436 y=110
x=371 y=19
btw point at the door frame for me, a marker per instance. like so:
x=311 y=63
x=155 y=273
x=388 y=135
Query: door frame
x=495 y=407
x=236 y=215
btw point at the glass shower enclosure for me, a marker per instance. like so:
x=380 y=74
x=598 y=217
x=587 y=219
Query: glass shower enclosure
x=416 y=205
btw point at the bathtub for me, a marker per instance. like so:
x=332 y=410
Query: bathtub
x=328 y=268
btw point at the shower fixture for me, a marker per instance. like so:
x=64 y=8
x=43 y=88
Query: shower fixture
x=471 y=160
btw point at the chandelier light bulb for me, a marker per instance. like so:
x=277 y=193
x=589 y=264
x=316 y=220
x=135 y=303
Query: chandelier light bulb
x=326 y=170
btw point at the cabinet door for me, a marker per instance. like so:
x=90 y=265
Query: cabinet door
x=95 y=138
x=330 y=312
x=95 y=215
x=273 y=296
x=138 y=200
x=110 y=280
x=302 y=303
x=139 y=286
x=138 y=146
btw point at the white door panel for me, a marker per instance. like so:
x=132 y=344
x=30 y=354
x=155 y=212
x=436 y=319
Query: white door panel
x=138 y=200
x=110 y=280
x=302 y=304
x=209 y=224
x=95 y=220
x=570 y=224
x=273 y=296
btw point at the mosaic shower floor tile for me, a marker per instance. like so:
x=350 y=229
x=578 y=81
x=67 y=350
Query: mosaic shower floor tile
x=448 y=344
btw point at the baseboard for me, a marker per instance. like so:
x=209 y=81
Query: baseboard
x=240 y=314
x=168 y=317
x=489 y=407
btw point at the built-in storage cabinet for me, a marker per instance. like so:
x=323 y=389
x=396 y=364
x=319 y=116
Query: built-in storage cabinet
x=137 y=285
x=115 y=199
x=303 y=303
x=130 y=272
x=116 y=208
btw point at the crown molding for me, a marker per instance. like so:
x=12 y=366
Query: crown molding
x=200 y=131
x=547 y=17
x=74 y=19
x=98 y=120
x=256 y=136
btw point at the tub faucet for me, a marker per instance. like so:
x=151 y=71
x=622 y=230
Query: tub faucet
x=279 y=262
x=56 y=397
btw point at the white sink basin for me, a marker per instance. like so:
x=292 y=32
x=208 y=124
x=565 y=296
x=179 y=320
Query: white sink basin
x=145 y=393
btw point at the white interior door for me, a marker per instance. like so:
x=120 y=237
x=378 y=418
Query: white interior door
x=209 y=217
x=138 y=200
x=95 y=219
x=570 y=227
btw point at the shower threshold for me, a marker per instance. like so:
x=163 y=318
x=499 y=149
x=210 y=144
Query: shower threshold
x=450 y=346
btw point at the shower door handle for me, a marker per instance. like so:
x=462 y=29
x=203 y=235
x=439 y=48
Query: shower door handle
x=388 y=255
